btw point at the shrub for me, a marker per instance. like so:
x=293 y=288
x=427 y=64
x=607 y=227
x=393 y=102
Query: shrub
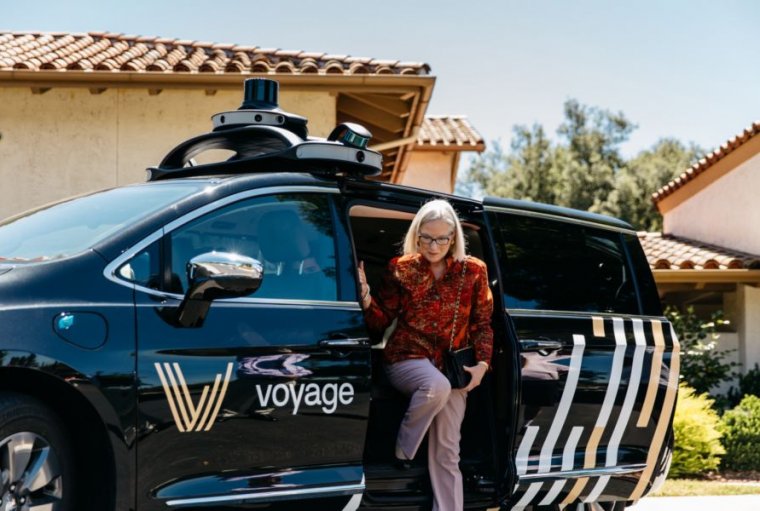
x=749 y=383
x=741 y=435
x=703 y=365
x=697 y=447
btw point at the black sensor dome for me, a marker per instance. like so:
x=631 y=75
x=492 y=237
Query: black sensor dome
x=261 y=94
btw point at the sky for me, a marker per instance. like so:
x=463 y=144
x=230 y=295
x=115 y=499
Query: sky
x=687 y=69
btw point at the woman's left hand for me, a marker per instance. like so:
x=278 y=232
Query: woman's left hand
x=476 y=375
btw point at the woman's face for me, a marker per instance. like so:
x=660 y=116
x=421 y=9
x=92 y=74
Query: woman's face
x=431 y=240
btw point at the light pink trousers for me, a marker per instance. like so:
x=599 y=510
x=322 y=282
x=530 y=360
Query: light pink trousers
x=438 y=409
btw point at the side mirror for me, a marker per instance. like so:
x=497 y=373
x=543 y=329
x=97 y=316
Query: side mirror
x=215 y=275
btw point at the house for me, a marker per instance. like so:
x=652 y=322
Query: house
x=708 y=254
x=85 y=111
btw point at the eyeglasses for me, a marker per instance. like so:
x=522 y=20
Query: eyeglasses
x=441 y=241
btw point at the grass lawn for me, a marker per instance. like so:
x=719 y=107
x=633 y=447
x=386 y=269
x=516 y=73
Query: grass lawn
x=702 y=487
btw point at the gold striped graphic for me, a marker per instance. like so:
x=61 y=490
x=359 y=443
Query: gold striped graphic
x=591 y=447
x=662 y=424
x=596 y=434
x=183 y=408
x=659 y=338
x=166 y=387
x=221 y=397
x=588 y=462
x=598 y=326
x=577 y=489
x=214 y=390
x=654 y=375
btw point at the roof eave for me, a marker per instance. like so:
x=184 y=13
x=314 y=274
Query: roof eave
x=685 y=186
x=196 y=80
x=707 y=276
x=449 y=148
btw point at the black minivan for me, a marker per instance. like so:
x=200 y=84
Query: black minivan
x=196 y=341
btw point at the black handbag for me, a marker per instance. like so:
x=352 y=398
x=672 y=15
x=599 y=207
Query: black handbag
x=454 y=361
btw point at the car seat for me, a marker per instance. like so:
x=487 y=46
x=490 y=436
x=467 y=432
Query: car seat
x=284 y=244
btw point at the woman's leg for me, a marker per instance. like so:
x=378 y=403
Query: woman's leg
x=429 y=391
x=443 y=454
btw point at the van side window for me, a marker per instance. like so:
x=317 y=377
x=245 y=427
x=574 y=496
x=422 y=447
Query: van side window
x=562 y=266
x=144 y=269
x=290 y=234
x=650 y=298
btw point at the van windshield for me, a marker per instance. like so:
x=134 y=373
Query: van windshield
x=69 y=227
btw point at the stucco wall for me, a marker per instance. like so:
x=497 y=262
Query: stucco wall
x=430 y=170
x=68 y=141
x=726 y=213
x=748 y=325
x=729 y=341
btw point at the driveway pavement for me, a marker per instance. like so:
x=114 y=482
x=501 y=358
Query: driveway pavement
x=727 y=503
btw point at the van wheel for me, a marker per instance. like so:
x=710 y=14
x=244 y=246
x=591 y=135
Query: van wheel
x=35 y=464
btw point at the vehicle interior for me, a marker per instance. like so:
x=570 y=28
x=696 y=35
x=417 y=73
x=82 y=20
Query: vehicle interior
x=377 y=237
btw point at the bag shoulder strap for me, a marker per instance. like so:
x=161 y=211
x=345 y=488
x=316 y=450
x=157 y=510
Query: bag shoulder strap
x=456 y=307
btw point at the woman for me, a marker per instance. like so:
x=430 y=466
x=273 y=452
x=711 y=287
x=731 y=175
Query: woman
x=421 y=289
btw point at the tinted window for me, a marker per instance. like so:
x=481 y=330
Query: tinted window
x=70 y=227
x=291 y=235
x=144 y=269
x=561 y=266
x=650 y=298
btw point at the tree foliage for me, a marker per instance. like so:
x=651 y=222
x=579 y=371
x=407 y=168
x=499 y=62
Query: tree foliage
x=703 y=365
x=645 y=174
x=583 y=168
x=529 y=171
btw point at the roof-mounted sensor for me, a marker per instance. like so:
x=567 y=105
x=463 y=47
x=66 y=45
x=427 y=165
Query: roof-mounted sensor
x=261 y=108
x=264 y=138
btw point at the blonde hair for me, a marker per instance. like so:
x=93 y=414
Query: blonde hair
x=437 y=209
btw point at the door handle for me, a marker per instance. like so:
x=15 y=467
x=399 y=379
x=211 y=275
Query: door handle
x=344 y=342
x=540 y=345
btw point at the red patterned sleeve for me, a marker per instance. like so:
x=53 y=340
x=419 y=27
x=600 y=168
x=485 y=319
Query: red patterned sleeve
x=481 y=333
x=386 y=302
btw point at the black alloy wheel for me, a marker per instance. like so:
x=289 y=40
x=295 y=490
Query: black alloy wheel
x=35 y=465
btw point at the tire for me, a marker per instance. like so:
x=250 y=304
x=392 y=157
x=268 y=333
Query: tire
x=36 y=470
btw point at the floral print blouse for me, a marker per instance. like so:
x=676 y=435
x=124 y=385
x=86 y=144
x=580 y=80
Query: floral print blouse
x=425 y=306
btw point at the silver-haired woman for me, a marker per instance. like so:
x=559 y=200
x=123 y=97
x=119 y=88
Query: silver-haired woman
x=433 y=283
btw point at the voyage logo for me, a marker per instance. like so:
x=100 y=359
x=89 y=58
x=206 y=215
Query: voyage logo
x=327 y=396
x=187 y=415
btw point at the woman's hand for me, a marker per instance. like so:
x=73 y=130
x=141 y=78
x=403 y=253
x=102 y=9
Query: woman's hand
x=476 y=375
x=364 y=299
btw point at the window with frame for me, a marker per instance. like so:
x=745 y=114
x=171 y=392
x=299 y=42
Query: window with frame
x=291 y=235
x=563 y=266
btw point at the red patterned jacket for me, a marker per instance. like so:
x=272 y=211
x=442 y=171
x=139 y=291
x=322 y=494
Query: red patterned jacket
x=424 y=307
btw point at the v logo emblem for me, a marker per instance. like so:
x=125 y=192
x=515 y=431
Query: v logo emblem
x=187 y=415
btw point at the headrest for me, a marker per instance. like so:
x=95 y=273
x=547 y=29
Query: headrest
x=283 y=236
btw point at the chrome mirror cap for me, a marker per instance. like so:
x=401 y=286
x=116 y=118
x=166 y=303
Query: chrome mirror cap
x=214 y=275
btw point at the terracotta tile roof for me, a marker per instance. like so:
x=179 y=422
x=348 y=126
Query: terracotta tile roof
x=99 y=51
x=666 y=252
x=450 y=132
x=706 y=162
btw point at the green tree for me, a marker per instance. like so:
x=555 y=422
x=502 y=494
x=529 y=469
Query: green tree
x=589 y=158
x=645 y=174
x=703 y=365
x=526 y=172
x=578 y=171
x=583 y=169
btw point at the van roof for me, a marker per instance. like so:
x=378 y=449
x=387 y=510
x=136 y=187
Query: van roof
x=556 y=211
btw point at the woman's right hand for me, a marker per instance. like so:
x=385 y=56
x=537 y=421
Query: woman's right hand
x=365 y=298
